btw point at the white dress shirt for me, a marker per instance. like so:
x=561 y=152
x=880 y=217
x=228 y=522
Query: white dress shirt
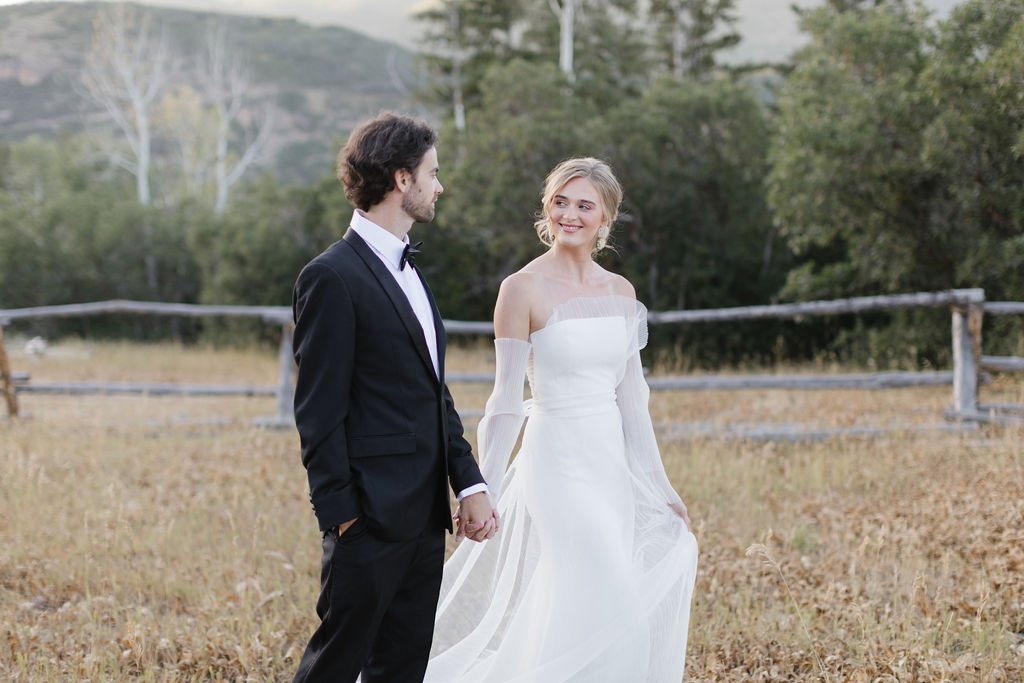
x=388 y=249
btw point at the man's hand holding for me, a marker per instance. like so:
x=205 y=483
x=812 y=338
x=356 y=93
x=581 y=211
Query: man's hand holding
x=476 y=519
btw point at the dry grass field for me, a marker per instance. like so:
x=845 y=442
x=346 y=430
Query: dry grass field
x=166 y=539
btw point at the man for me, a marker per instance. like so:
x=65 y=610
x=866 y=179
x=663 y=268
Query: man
x=380 y=435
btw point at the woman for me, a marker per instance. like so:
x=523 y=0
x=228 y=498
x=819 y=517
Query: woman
x=591 y=576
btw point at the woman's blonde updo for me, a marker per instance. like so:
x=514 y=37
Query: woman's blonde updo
x=604 y=181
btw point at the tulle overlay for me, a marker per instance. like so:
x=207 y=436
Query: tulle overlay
x=591 y=576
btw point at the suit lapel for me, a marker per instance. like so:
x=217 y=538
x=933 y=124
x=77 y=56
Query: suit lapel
x=398 y=299
x=442 y=337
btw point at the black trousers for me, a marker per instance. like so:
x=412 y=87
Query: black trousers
x=377 y=604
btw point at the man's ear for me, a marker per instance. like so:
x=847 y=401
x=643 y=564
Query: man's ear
x=402 y=179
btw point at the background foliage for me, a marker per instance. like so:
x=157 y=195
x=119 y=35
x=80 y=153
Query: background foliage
x=888 y=159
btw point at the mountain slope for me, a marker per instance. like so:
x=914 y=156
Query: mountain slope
x=321 y=80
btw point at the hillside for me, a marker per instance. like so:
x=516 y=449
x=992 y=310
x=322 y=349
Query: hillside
x=321 y=80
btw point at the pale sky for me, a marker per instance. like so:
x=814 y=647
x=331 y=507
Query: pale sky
x=768 y=27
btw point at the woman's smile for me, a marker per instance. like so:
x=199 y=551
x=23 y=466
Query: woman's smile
x=576 y=208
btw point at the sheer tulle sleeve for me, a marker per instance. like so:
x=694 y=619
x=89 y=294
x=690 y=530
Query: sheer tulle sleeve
x=503 y=417
x=632 y=395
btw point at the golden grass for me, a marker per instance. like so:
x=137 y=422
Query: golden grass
x=165 y=539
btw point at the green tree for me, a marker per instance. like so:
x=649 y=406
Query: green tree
x=975 y=142
x=696 y=231
x=846 y=183
x=253 y=253
x=896 y=163
x=528 y=121
x=848 y=5
x=689 y=33
x=692 y=158
x=610 y=51
x=72 y=230
x=33 y=173
x=465 y=38
x=462 y=39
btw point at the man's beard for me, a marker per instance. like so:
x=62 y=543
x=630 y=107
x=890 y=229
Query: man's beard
x=421 y=213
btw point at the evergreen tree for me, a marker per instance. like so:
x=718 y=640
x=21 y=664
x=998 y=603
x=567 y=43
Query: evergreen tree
x=462 y=39
x=691 y=32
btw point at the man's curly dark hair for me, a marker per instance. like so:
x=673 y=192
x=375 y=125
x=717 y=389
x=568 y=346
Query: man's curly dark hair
x=375 y=150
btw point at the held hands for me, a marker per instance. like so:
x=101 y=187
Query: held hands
x=475 y=518
x=680 y=510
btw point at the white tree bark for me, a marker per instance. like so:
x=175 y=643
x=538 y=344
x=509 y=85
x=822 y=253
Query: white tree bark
x=458 y=57
x=126 y=70
x=678 y=37
x=566 y=13
x=225 y=81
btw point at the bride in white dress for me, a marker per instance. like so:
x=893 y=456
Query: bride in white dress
x=591 y=576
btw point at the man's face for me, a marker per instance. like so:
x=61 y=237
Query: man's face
x=418 y=200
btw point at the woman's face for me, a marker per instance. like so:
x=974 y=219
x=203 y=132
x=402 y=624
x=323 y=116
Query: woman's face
x=575 y=214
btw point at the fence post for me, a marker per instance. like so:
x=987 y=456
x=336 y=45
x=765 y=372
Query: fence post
x=968 y=313
x=285 y=390
x=5 y=376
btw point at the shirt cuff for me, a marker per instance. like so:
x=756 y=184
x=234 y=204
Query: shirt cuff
x=475 y=488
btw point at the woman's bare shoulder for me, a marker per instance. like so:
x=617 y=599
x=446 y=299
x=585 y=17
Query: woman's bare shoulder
x=525 y=282
x=517 y=288
x=514 y=309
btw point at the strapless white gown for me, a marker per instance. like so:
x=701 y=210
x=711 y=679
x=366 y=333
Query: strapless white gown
x=591 y=575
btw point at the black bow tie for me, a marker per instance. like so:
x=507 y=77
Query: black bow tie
x=409 y=255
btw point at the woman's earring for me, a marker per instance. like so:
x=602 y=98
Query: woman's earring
x=600 y=243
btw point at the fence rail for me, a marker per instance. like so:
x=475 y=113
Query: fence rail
x=967 y=306
x=276 y=314
x=1002 y=363
x=1005 y=307
x=863 y=304
x=148 y=388
x=865 y=380
x=281 y=315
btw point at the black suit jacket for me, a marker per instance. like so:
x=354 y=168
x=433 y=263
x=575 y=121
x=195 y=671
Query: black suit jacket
x=379 y=432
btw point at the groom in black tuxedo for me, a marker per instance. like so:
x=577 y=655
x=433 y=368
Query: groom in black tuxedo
x=381 y=440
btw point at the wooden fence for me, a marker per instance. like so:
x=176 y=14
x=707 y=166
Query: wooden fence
x=967 y=307
x=14 y=383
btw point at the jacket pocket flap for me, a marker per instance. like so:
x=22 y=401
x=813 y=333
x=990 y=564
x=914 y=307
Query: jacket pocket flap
x=391 y=444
